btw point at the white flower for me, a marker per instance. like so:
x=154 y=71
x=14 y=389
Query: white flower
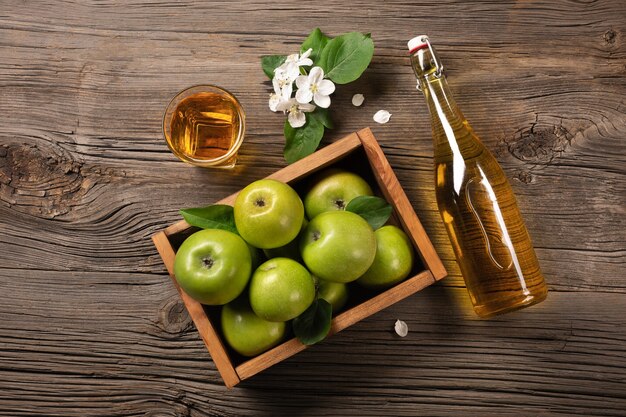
x=273 y=102
x=282 y=92
x=382 y=116
x=283 y=82
x=296 y=111
x=401 y=328
x=300 y=60
x=290 y=69
x=358 y=99
x=285 y=74
x=314 y=87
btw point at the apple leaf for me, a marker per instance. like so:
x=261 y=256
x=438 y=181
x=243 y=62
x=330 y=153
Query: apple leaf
x=217 y=216
x=270 y=62
x=323 y=117
x=302 y=141
x=345 y=57
x=316 y=41
x=373 y=209
x=313 y=325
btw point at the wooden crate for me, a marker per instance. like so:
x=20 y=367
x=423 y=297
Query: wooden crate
x=358 y=152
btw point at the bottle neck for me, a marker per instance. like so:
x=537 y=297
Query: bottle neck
x=448 y=123
x=446 y=117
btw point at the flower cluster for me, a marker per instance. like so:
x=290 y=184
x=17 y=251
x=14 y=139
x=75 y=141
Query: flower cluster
x=311 y=87
x=303 y=83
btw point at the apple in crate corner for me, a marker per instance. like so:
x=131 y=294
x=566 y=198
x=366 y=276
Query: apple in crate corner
x=246 y=332
x=213 y=266
x=393 y=261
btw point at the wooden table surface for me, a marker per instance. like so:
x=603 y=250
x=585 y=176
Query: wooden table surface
x=90 y=324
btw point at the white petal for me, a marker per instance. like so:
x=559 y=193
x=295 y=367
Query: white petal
x=306 y=62
x=276 y=85
x=306 y=54
x=316 y=75
x=274 y=100
x=280 y=73
x=292 y=71
x=285 y=105
x=285 y=92
x=306 y=107
x=296 y=119
x=304 y=96
x=302 y=82
x=358 y=99
x=382 y=116
x=326 y=87
x=292 y=58
x=321 y=100
x=401 y=328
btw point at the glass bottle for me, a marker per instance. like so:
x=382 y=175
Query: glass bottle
x=476 y=202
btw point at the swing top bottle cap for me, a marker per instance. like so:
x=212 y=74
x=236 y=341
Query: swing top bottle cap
x=417 y=43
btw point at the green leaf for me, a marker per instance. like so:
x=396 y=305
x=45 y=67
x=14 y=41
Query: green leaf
x=322 y=116
x=302 y=141
x=313 y=325
x=373 y=209
x=217 y=216
x=316 y=41
x=345 y=57
x=270 y=62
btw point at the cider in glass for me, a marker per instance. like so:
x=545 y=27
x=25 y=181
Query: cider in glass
x=204 y=126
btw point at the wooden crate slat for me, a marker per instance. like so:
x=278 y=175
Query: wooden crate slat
x=396 y=196
x=208 y=334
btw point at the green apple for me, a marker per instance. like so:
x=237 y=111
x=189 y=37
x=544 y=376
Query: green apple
x=213 y=266
x=338 y=246
x=246 y=332
x=332 y=190
x=281 y=289
x=290 y=250
x=336 y=293
x=268 y=214
x=393 y=261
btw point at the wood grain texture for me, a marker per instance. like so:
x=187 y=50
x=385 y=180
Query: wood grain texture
x=90 y=323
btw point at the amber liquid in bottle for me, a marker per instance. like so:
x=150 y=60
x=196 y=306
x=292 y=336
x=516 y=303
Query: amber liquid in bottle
x=204 y=126
x=476 y=202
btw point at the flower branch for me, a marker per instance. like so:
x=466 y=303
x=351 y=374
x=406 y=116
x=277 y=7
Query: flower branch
x=303 y=83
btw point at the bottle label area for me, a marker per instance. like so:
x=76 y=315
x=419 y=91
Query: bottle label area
x=482 y=203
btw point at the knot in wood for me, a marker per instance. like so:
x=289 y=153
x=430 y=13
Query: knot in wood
x=610 y=36
x=540 y=143
x=174 y=318
x=524 y=176
x=41 y=179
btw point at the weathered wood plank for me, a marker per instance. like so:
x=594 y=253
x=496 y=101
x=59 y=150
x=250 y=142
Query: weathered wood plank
x=113 y=341
x=90 y=323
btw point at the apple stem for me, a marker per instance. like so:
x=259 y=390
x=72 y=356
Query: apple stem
x=207 y=262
